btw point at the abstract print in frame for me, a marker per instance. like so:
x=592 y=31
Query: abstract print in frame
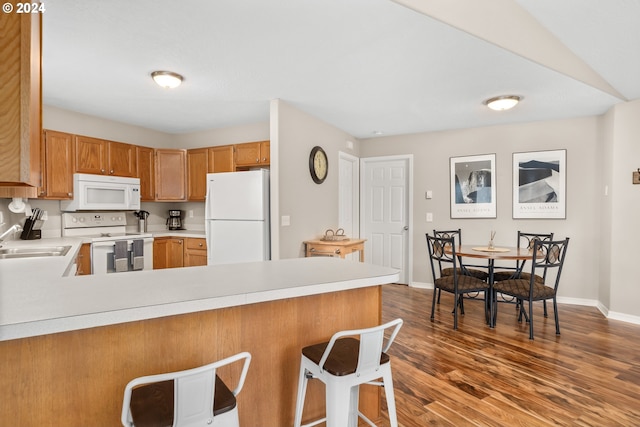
x=473 y=186
x=539 y=184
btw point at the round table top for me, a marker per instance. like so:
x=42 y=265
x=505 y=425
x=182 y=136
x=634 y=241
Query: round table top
x=499 y=252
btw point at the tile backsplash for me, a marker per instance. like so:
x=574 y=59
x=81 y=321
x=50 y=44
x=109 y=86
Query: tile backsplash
x=158 y=213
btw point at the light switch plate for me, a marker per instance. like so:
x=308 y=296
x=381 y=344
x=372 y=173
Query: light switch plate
x=636 y=178
x=285 y=220
x=429 y=217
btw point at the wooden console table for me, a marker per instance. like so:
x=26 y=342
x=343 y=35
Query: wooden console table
x=340 y=248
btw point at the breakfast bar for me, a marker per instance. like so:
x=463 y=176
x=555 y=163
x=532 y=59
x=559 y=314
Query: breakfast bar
x=68 y=346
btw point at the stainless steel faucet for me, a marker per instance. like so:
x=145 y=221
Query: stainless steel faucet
x=15 y=228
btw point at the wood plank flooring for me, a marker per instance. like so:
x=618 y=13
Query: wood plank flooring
x=477 y=376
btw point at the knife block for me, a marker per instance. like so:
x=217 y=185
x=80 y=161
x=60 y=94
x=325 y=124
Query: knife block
x=30 y=232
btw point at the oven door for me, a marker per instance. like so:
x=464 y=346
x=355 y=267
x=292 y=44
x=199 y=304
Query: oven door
x=116 y=256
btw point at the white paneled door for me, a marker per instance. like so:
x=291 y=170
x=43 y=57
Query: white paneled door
x=386 y=212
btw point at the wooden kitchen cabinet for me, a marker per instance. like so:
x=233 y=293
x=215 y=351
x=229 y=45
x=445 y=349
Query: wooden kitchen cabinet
x=57 y=165
x=168 y=252
x=21 y=104
x=83 y=260
x=122 y=159
x=100 y=157
x=252 y=154
x=221 y=159
x=146 y=173
x=171 y=183
x=195 y=252
x=197 y=167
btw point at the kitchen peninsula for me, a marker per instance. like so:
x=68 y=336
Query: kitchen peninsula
x=69 y=345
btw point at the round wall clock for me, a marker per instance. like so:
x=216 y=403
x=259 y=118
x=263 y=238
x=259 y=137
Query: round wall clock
x=318 y=164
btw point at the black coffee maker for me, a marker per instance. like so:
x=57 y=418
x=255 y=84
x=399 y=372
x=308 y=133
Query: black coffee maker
x=174 y=222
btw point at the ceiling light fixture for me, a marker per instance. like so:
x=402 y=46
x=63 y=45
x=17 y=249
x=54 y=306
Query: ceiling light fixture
x=501 y=103
x=167 y=79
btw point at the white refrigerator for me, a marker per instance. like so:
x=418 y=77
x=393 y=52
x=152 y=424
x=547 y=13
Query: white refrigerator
x=237 y=217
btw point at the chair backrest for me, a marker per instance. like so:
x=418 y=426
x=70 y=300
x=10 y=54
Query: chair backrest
x=548 y=255
x=193 y=392
x=438 y=255
x=526 y=240
x=371 y=345
x=447 y=234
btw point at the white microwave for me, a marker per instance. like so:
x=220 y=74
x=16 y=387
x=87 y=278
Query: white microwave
x=103 y=193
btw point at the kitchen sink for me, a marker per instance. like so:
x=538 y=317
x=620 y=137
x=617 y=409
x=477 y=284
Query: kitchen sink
x=6 y=253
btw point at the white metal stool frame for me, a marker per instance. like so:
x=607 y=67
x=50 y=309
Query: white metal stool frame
x=190 y=386
x=342 y=392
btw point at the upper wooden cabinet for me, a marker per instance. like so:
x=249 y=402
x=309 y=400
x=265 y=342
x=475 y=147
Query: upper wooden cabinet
x=20 y=104
x=197 y=167
x=146 y=172
x=221 y=159
x=252 y=154
x=97 y=156
x=171 y=182
x=57 y=165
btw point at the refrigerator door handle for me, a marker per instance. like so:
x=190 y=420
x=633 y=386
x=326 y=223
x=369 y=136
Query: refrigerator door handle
x=207 y=201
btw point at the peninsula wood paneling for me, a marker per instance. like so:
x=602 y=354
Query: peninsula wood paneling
x=78 y=378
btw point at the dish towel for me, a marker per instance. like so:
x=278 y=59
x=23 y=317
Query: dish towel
x=121 y=262
x=138 y=254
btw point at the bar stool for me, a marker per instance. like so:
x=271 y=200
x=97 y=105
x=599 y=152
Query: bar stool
x=185 y=398
x=344 y=363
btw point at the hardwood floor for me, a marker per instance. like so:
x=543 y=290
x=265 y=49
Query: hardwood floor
x=477 y=376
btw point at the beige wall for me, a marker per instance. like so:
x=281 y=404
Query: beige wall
x=432 y=152
x=312 y=208
x=224 y=136
x=623 y=230
x=81 y=124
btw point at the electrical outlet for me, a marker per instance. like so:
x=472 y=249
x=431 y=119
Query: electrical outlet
x=636 y=177
x=285 y=221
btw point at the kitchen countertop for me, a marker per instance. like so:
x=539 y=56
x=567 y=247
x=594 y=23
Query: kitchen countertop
x=36 y=297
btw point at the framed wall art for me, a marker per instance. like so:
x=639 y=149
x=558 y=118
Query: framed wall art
x=539 y=184
x=473 y=186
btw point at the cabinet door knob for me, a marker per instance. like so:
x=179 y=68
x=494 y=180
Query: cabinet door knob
x=70 y=194
x=111 y=172
x=264 y=159
x=257 y=160
x=200 y=244
x=102 y=171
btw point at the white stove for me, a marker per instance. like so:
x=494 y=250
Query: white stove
x=113 y=249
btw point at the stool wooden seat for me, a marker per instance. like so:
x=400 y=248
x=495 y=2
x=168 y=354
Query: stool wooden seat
x=343 y=359
x=152 y=404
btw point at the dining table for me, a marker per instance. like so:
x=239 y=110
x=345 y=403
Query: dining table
x=491 y=254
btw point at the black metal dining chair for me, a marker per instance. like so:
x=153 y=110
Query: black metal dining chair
x=525 y=240
x=442 y=252
x=546 y=255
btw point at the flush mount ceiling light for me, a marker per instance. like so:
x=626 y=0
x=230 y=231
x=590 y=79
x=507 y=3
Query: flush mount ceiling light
x=167 y=79
x=501 y=103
